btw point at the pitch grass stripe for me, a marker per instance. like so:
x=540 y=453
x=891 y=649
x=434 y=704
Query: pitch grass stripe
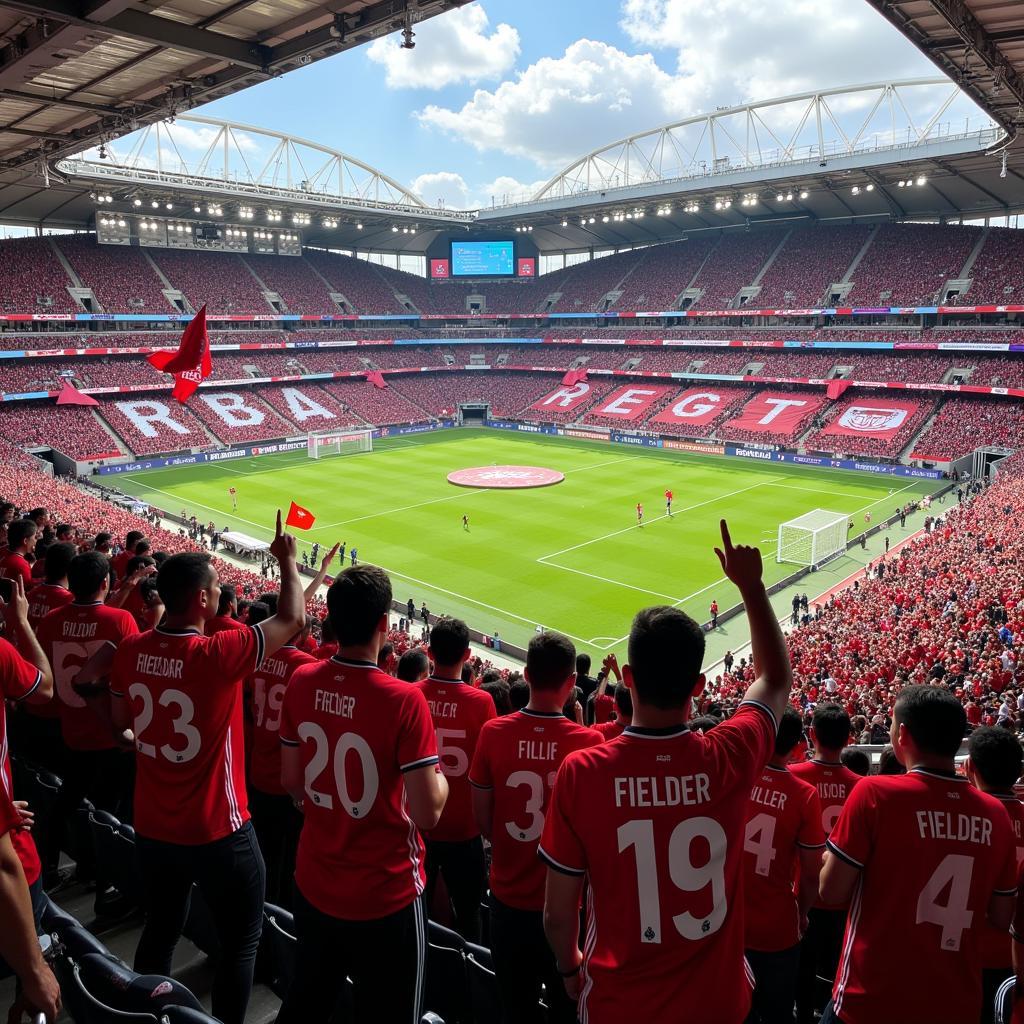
x=649 y=522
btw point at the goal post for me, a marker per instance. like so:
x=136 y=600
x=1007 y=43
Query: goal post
x=813 y=538
x=320 y=444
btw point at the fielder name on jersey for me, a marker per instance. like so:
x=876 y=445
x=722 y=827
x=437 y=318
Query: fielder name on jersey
x=157 y=665
x=964 y=828
x=78 y=630
x=334 y=703
x=670 y=791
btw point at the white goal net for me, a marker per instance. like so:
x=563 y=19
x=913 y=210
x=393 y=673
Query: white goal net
x=813 y=538
x=319 y=445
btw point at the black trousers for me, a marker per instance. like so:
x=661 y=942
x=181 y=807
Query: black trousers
x=991 y=979
x=464 y=870
x=277 y=822
x=523 y=962
x=775 y=985
x=384 y=958
x=230 y=874
x=819 y=958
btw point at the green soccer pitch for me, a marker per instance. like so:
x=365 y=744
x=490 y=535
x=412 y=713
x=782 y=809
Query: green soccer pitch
x=568 y=557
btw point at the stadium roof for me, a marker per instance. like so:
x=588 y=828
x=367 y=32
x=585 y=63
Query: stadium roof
x=74 y=73
x=979 y=44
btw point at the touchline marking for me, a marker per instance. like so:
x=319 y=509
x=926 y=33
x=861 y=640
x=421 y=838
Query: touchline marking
x=647 y=522
x=864 y=508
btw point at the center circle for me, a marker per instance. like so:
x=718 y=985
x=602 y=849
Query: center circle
x=506 y=477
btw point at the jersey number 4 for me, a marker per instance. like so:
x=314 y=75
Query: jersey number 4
x=953 y=916
x=685 y=875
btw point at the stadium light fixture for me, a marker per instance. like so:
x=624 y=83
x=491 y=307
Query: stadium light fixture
x=394 y=229
x=779 y=198
x=137 y=202
x=604 y=219
x=855 y=190
x=869 y=187
x=565 y=223
x=922 y=180
x=804 y=194
x=155 y=205
x=359 y=227
x=591 y=221
x=789 y=197
x=583 y=222
x=168 y=206
x=197 y=209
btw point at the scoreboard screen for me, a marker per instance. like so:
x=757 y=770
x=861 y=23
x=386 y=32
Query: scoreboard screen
x=483 y=259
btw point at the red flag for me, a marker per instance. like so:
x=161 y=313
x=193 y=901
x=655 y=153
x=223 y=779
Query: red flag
x=300 y=517
x=376 y=378
x=573 y=377
x=70 y=395
x=191 y=363
x=835 y=388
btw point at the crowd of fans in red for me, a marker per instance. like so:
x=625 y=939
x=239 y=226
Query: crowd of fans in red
x=945 y=606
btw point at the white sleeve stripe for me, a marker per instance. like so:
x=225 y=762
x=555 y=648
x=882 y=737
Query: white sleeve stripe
x=32 y=689
x=842 y=855
x=421 y=763
x=764 y=707
x=557 y=865
x=811 y=846
x=261 y=644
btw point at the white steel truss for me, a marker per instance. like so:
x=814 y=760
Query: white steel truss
x=807 y=128
x=195 y=152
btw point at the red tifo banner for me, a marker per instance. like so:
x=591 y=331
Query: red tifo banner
x=695 y=406
x=882 y=419
x=631 y=402
x=565 y=397
x=776 y=412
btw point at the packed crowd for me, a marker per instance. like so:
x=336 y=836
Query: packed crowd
x=215 y=691
x=963 y=425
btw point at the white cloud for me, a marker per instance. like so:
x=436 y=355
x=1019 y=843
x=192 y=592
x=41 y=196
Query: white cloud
x=450 y=189
x=561 y=107
x=455 y=47
x=721 y=53
x=735 y=51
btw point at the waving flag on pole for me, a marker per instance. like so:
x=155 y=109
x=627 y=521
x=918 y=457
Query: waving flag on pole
x=70 y=395
x=376 y=378
x=573 y=377
x=191 y=363
x=299 y=517
x=835 y=388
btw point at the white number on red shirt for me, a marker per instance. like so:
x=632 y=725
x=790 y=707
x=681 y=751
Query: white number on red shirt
x=685 y=875
x=65 y=670
x=534 y=807
x=454 y=760
x=347 y=741
x=760 y=841
x=829 y=817
x=953 y=916
x=268 y=700
x=181 y=724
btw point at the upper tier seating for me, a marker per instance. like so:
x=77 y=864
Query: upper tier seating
x=220 y=280
x=907 y=264
x=120 y=276
x=812 y=260
x=32 y=279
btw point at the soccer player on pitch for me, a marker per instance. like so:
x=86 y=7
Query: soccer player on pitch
x=927 y=859
x=639 y=514
x=668 y=503
x=655 y=821
x=234 y=499
x=820 y=946
x=784 y=838
x=181 y=694
x=513 y=770
x=454 y=847
x=359 y=752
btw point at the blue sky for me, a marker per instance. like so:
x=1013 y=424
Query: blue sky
x=498 y=96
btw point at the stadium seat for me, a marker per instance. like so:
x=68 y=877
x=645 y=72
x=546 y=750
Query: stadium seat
x=483 y=985
x=54 y=920
x=447 y=988
x=115 y=846
x=1004 y=1001
x=278 y=949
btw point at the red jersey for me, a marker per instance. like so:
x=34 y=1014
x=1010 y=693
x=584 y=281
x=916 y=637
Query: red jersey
x=655 y=820
x=186 y=702
x=517 y=757
x=459 y=712
x=834 y=783
x=45 y=598
x=264 y=692
x=783 y=817
x=925 y=911
x=609 y=730
x=70 y=636
x=360 y=856
x=221 y=622
x=18 y=679
x=604 y=707
x=119 y=563
x=13 y=565
x=996 y=945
